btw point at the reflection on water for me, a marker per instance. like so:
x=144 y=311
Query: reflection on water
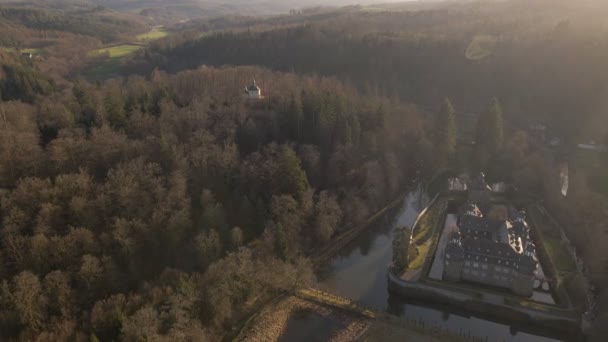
x=308 y=326
x=359 y=273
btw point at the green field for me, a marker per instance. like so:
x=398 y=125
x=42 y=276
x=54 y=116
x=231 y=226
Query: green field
x=111 y=65
x=594 y=166
x=118 y=51
x=559 y=254
x=425 y=233
x=481 y=47
x=33 y=51
x=155 y=33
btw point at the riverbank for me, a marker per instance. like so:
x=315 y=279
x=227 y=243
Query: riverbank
x=349 y=235
x=327 y=253
x=313 y=315
x=557 y=320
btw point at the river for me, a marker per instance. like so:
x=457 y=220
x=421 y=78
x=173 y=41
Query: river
x=359 y=273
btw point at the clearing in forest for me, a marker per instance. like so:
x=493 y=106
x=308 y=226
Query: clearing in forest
x=481 y=47
x=118 y=51
x=112 y=64
x=155 y=33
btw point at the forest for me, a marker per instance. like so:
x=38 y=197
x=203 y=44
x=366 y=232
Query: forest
x=162 y=205
x=152 y=207
x=423 y=56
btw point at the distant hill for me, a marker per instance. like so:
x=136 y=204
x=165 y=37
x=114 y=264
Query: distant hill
x=195 y=8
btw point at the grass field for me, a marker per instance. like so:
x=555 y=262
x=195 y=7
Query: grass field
x=425 y=232
x=155 y=33
x=559 y=254
x=33 y=51
x=118 y=51
x=111 y=65
x=481 y=47
x=594 y=166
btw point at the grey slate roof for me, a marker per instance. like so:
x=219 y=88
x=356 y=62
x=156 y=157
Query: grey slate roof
x=502 y=243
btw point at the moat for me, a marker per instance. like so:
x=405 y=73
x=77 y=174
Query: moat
x=359 y=272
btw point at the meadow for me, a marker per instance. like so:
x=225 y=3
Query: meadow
x=157 y=32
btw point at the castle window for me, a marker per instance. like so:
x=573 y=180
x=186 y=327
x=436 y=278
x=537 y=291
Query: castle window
x=484 y=266
x=498 y=269
x=467 y=263
x=476 y=265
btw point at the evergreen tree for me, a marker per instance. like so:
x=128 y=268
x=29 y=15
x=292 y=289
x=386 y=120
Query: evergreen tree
x=445 y=129
x=490 y=134
x=115 y=111
x=280 y=242
x=290 y=177
x=294 y=116
x=401 y=244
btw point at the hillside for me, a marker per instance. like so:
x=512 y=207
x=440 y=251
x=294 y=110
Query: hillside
x=422 y=56
x=189 y=9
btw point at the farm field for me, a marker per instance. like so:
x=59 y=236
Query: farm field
x=111 y=65
x=481 y=47
x=594 y=166
x=34 y=51
x=155 y=33
x=118 y=51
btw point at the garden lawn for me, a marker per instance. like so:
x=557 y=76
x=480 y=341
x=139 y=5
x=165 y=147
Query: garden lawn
x=559 y=254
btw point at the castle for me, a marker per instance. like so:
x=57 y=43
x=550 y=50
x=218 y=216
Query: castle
x=494 y=250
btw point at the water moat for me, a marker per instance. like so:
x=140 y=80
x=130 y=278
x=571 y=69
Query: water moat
x=359 y=272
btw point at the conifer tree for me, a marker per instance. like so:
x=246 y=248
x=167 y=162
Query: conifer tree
x=280 y=242
x=445 y=128
x=490 y=134
x=290 y=177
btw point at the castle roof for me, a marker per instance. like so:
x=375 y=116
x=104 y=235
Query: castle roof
x=498 y=254
x=499 y=242
x=469 y=224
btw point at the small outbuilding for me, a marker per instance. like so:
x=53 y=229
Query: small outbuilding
x=252 y=91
